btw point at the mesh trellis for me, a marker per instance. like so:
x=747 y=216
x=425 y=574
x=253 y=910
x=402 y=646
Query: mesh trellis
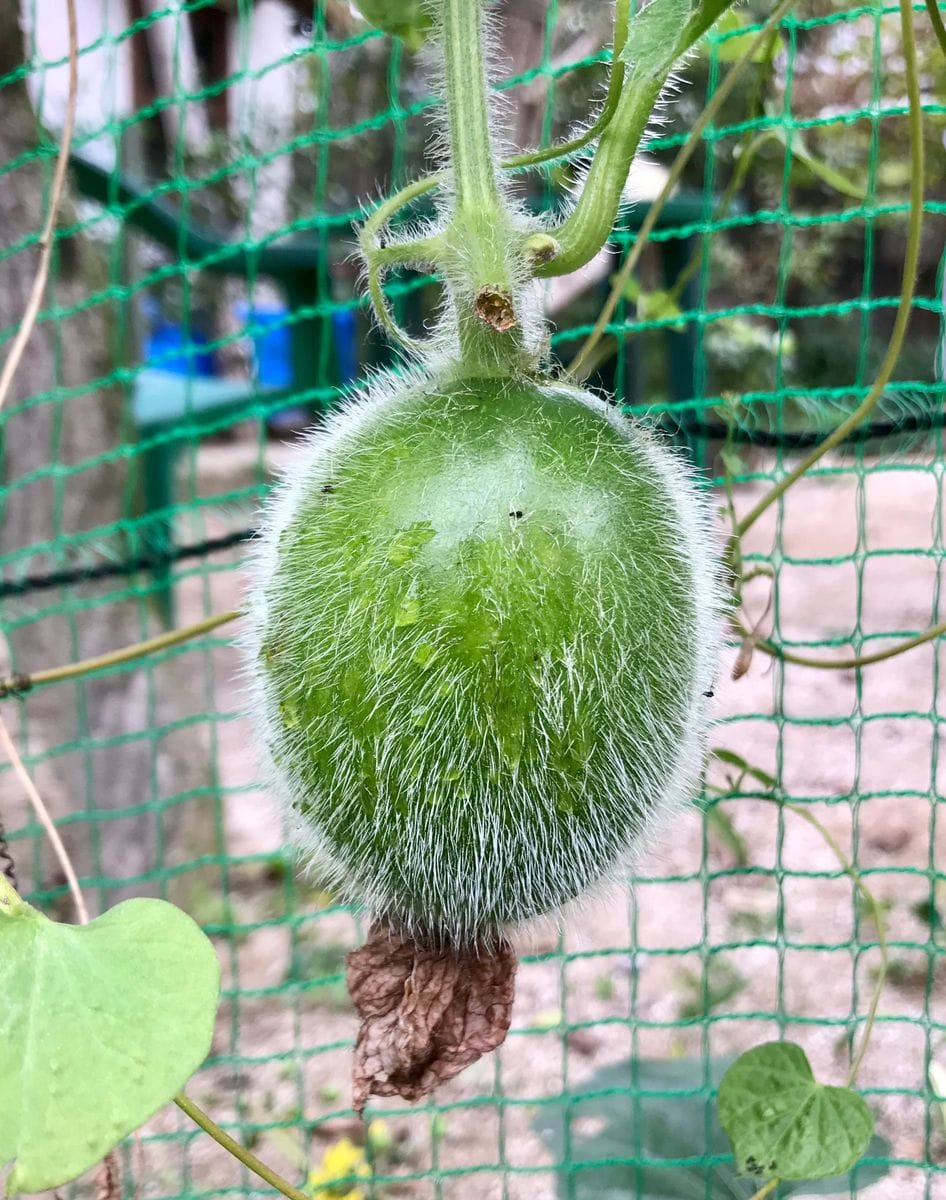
x=741 y=925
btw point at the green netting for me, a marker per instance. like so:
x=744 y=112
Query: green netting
x=740 y=926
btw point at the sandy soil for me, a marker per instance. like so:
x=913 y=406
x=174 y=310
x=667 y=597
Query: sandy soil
x=781 y=934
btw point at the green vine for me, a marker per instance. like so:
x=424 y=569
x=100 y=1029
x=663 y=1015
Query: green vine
x=577 y=367
x=240 y=1153
x=936 y=20
x=488 y=253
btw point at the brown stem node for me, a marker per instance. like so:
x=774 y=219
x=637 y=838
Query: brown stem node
x=494 y=308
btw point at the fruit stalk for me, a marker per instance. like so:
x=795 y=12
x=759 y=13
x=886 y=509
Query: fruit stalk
x=482 y=245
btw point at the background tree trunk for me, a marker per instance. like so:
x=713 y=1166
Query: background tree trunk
x=101 y=743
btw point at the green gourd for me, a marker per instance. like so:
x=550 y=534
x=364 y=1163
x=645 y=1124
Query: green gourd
x=484 y=624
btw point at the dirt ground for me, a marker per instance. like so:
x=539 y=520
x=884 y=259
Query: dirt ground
x=771 y=936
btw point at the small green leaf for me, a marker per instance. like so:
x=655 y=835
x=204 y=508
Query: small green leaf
x=653 y=31
x=662 y=33
x=732 y=759
x=733 y=47
x=656 y=305
x=783 y=1123
x=647 y=1130
x=406 y=19
x=794 y=140
x=659 y=305
x=100 y=1026
x=721 y=824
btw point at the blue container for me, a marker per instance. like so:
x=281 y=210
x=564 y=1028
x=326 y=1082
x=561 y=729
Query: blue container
x=171 y=348
x=344 y=333
x=271 y=344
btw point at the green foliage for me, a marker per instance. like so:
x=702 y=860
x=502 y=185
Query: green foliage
x=409 y=20
x=783 y=1123
x=652 y=1128
x=101 y=1025
x=654 y=305
x=743 y=770
x=735 y=39
x=654 y=29
x=321 y=966
x=704 y=991
x=720 y=826
x=663 y=31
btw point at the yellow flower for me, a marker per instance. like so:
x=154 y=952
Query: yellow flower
x=342 y=1163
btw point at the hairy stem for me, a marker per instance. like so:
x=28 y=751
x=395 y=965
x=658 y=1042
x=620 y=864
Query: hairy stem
x=577 y=367
x=588 y=228
x=471 y=152
x=483 y=251
x=534 y=158
x=750 y=145
x=907 y=287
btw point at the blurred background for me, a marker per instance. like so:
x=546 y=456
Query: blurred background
x=204 y=308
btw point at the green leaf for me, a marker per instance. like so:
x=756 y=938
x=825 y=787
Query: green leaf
x=732 y=759
x=652 y=32
x=647 y=1130
x=795 y=141
x=100 y=1026
x=783 y=1123
x=736 y=45
x=656 y=305
x=406 y=19
x=721 y=824
x=661 y=33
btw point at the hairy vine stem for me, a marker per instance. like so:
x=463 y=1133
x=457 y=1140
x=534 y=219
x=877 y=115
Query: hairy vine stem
x=576 y=367
x=534 y=158
x=746 y=149
x=483 y=249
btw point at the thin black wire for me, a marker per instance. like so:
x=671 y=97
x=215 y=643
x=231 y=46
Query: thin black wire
x=131 y=566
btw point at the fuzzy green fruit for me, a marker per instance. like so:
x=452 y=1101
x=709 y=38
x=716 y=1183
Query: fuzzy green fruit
x=484 y=624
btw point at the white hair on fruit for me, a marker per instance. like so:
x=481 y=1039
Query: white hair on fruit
x=434 y=881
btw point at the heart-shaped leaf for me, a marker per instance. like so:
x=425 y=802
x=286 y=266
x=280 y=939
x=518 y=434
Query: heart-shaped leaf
x=100 y=1025
x=782 y=1122
x=647 y=1130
